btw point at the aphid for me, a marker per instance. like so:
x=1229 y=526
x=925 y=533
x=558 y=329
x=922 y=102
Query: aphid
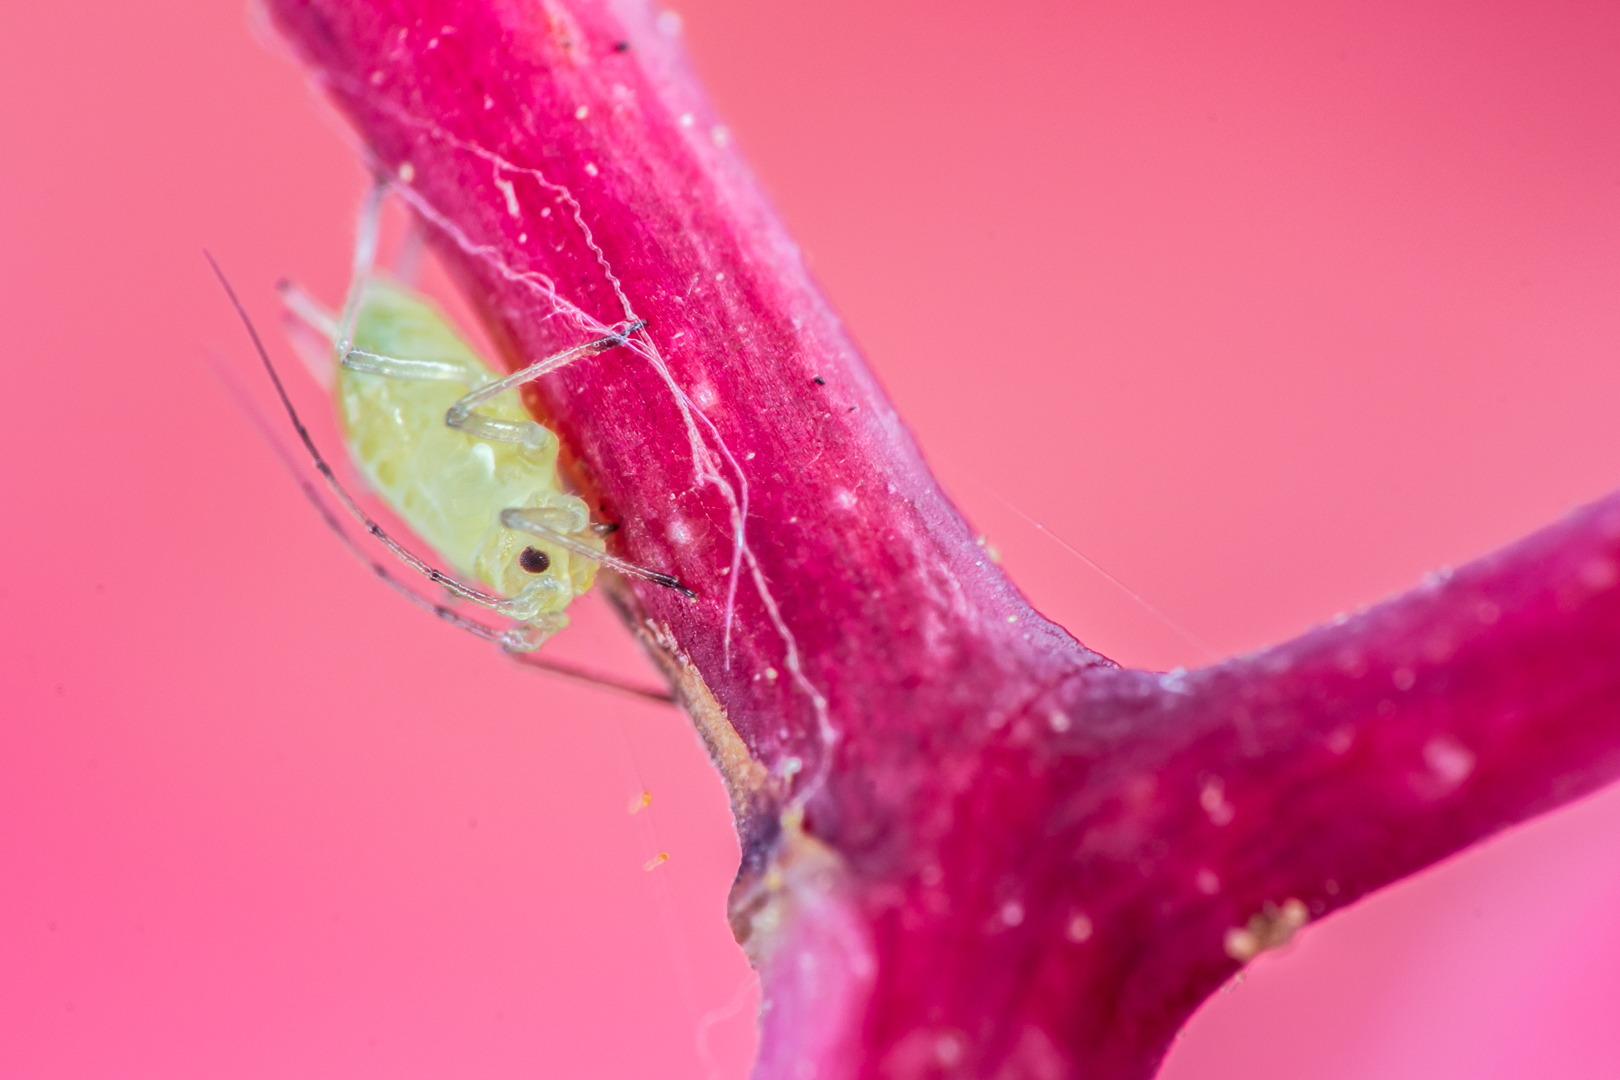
x=444 y=441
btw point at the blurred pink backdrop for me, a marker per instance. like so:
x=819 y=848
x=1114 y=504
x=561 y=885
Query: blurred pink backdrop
x=1267 y=309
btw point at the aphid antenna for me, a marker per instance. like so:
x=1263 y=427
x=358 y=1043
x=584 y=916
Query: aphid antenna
x=445 y=614
x=400 y=551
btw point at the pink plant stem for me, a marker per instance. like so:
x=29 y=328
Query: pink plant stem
x=972 y=847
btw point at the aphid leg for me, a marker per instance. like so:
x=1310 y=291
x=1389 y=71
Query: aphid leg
x=461 y=415
x=338 y=331
x=537 y=522
x=519 y=643
x=404 y=554
x=491 y=428
x=310 y=328
x=395 y=367
x=408 y=260
x=318 y=330
x=307 y=310
x=365 y=256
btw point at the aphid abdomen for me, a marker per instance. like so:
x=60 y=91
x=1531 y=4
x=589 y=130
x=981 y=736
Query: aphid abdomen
x=450 y=487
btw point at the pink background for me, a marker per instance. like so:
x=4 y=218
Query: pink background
x=1337 y=294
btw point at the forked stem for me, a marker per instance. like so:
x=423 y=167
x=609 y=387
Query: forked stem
x=1018 y=860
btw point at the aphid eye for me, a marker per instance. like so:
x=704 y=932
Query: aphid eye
x=534 y=560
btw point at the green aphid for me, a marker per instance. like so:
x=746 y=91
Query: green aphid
x=445 y=442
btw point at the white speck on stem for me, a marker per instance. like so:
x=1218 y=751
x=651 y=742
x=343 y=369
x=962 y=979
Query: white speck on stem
x=1213 y=799
x=1449 y=760
x=1079 y=928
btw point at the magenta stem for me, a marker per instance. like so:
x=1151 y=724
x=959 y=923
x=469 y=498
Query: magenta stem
x=972 y=847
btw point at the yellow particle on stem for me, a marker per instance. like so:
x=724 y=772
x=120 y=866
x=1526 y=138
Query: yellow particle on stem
x=1271 y=927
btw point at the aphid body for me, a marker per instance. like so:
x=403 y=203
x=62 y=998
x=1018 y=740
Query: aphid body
x=446 y=443
x=451 y=487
